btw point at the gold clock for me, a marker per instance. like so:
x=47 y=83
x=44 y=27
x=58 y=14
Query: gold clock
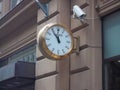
x=55 y=41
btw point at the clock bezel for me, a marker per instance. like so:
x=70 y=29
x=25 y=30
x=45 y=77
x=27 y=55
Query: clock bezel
x=43 y=46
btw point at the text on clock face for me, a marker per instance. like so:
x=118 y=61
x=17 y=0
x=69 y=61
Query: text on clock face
x=58 y=40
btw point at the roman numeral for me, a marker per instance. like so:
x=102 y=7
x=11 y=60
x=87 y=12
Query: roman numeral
x=53 y=49
x=63 y=32
x=63 y=51
x=58 y=51
x=48 y=33
x=47 y=38
x=67 y=47
x=67 y=36
x=68 y=41
x=49 y=44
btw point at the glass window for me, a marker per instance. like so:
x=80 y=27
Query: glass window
x=0 y=6
x=14 y=3
x=27 y=54
x=111 y=35
x=111 y=51
x=3 y=63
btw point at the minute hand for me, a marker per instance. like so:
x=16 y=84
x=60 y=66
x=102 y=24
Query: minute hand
x=57 y=37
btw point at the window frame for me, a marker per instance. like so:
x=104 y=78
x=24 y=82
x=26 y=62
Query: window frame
x=11 y=2
x=6 y=59
x=1 y=6
x=107 y=61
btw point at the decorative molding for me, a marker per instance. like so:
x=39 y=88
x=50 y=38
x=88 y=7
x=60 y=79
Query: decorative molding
x=47 y=18
x=114 y=58
x=84 y=5
x=46 y=75
x=107 y=3
x=40 y=58
x=25 y=4
x=108 y=7
x=19 y=44
x=17 y=17
x=80 y=27
x=79 y=70
x=83 y=47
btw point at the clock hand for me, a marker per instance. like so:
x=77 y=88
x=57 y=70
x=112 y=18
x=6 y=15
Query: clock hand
x=58 y=32
x=57 y=37
x=54 y=33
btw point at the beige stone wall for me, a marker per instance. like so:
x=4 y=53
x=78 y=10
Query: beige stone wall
x=51 y=74
x=86 y=69
x=18 y=38
x=77 y=72
x=83 y=72
x=17 y=28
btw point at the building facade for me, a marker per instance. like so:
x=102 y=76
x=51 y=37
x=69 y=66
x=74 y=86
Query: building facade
x=23 y=67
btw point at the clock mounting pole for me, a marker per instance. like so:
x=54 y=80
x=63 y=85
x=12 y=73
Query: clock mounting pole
x=76 y=48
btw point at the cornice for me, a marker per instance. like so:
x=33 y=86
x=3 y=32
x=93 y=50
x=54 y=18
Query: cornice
x=19 y=44
x=15 y=11
x=108 y=7
x=14 y=18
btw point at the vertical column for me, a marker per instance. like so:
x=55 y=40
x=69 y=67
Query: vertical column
x=46 y=71
x=51 y=74
x=86 y=69
x=63 y=66
x=80 y=64
x=95 y=45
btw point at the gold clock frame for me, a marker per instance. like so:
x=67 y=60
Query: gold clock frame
x=43 y=47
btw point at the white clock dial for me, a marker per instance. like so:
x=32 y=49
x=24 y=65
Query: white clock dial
x=58 y=40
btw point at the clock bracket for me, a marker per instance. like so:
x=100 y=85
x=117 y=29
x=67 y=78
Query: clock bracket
x=76 y=45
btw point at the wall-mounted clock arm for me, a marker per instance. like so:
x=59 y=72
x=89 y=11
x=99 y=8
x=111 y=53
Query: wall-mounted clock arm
x=44 y=7
x=76 y=45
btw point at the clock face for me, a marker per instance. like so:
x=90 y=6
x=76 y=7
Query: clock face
x=58 y=40
x=55 y=41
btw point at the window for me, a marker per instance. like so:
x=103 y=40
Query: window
x=111 y=34
x=3 y=63
x=14 y=3
x=27 y=54
x=0 y=6
x=111 y=51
